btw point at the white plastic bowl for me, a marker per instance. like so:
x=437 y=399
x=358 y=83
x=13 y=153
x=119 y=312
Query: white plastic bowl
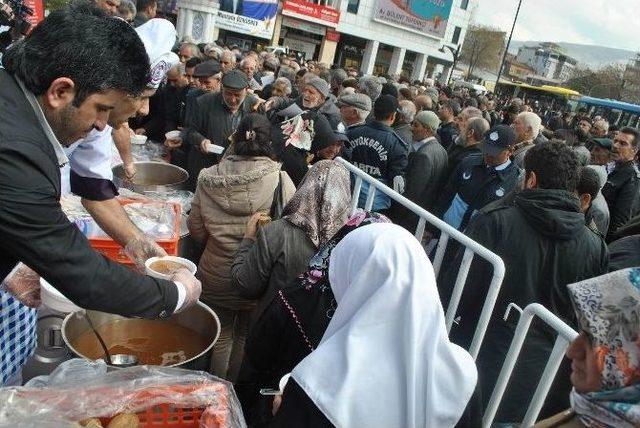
x=138 y=139
x=54 y=299
x=187 y=264
x=172 y=135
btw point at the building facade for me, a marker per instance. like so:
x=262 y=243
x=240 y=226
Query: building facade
x=547 y=61
x=394 y=37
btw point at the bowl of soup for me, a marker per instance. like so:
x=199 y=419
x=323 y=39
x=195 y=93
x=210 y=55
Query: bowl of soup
x=165 y=267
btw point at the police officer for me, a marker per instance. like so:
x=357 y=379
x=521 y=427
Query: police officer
x=622 y=190
x=479 y=180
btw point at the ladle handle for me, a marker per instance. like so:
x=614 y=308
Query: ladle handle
x=107 y=356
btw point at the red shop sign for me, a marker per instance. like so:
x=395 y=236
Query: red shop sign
x=332 y=35
x=311 y=12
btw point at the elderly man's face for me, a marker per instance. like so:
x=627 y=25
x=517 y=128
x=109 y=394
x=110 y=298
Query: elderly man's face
x=185 y=54
x=227 y=63
x=210 y=83
x=311 y=97
x=249 y=68
x=278 y=90
x=520 y=129
x=598 y=130
x=233 y=98
x=419 y=131
x=584 y=126
x=109 y=6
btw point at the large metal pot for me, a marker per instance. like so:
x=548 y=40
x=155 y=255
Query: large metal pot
x=152 y=177
x=200 y=318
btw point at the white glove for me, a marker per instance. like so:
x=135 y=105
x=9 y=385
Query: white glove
x=398 y=184
x=192 y=287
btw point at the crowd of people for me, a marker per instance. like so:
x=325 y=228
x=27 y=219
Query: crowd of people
x=349 y=306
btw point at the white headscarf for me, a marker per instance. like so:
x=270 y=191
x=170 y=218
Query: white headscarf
x=385 y=359
x=159 y=36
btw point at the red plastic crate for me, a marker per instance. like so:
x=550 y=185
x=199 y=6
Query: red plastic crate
x=114 y=251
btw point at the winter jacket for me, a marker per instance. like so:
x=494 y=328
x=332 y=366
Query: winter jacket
x=377 y=150
x=460 y=152
x=406 y=135
x=622 y=193
x=226 y=197
x=425 y=177
x=260 y=268
x=210 y=119
x=545 y=245
x=447 y=133
x=472 y=186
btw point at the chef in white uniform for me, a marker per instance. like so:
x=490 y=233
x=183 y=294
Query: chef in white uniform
x=88 y=173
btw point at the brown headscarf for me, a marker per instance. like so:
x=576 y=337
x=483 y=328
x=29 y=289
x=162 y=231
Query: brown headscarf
x=321 y=204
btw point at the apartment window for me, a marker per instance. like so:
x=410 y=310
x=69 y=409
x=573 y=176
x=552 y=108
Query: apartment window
x=464 y=4
x=352 y=6
x=456 y=35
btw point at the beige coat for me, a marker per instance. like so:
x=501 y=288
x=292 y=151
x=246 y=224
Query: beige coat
x=226 y=196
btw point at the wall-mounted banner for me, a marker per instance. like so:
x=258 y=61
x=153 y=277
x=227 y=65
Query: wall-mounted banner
x=253 y=17
x=428 y=17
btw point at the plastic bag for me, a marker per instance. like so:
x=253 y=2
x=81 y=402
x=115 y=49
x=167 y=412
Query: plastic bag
x=24 y=284
x=79 y=390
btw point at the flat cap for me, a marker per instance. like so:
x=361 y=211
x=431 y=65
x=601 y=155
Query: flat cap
x=206 y=69
x=235 y=79
x=361 y=101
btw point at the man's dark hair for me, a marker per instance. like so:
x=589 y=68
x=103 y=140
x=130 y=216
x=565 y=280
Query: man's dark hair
x=192 y=62
x=631 y=131
x=389 y=89
x=471 y=102
x=452 y=105
x=253 y=136
x=384 y=107
x=589 y=182
x=141 y=5
x=406 y=93
x=350 y=83
x=555 y=164
x=81 y=42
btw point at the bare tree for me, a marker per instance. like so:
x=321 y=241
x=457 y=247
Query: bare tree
x=605 y=82
x=482 y=48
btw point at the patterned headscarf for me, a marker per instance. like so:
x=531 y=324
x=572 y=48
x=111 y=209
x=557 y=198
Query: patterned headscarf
x=321 y=204
x=608 y=310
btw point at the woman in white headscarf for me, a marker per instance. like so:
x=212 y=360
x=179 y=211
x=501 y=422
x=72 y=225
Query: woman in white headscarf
x=385 y=359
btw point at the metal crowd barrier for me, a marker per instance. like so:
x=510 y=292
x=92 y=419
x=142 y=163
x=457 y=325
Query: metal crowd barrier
x=565 y=335
x=447 y=232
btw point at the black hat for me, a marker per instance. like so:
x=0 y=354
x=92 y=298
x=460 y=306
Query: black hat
x=605 y=143
x=323 y=134
x=235 y=79
x=206 y=69
x=384 y=106
x=498 y=139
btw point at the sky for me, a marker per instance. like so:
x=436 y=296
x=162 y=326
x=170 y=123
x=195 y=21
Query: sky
x=593 y=22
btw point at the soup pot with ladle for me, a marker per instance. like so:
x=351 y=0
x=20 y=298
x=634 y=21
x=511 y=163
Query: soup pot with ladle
x=195 y=330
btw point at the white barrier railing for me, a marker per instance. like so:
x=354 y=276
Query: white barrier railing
x=472 y=248
x=565 y=335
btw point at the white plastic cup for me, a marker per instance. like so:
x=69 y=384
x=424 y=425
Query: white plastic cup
x=188 y=264
x=138 y=139
x=172 y=135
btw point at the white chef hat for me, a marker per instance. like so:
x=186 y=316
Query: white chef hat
x=159 y=36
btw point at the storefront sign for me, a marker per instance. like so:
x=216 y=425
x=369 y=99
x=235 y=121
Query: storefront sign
x=296 y=45
x=308 y=11
x=252 y=17
x=332 y=35
x=308 y=27
x=38 y=12
x=427 y=17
